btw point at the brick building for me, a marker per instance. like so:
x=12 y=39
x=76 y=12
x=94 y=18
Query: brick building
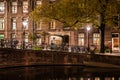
x=15 y=23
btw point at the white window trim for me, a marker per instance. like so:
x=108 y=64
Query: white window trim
x=2 y=23
x=14 y=7
x=25 y=6
x=2 y=7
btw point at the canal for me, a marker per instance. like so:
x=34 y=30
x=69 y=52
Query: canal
x=59 y=73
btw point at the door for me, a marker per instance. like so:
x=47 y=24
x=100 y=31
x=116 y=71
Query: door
x=115 y=41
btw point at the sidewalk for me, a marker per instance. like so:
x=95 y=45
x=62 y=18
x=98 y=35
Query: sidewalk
x=113 y=54
x=100 y=64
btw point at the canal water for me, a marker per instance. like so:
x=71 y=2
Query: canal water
x=59 y=73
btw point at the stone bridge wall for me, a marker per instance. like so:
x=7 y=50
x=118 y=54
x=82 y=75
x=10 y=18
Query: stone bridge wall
x=16 y=57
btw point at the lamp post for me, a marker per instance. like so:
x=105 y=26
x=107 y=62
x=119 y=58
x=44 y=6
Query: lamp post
x=88 y=47
x=23 y=41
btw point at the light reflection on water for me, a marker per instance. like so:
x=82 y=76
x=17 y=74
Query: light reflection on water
x=59 y=73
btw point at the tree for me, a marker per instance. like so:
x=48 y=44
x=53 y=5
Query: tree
x=107 y=10
x=44 y=34
x=71 y=13
x=32 y=37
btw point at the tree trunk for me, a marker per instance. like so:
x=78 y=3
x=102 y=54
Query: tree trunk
x=102 y=33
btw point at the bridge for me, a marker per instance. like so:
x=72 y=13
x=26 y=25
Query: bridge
x=18 y=57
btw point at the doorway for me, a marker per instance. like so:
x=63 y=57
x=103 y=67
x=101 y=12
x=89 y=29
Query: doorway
x=115 y=41
x=59 y=39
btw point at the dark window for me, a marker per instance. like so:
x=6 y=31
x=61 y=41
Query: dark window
x=114 y=35
x=115 y=20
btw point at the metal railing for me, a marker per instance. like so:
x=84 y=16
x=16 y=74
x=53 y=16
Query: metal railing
x=66 y=48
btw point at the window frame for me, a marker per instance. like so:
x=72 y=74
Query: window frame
x=25 y=7
x=81 y=39
x=2 y=7
x=96 y=37
x=52 y=25
x=14 y=7
x=2 y=23
x=25 y=27
x=14 y=23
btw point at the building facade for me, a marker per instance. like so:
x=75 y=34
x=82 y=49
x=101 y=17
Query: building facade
x=15 y=23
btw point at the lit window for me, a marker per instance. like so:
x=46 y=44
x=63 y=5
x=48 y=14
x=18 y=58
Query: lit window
x=97 y=78
x=14 y=7
x=14 y=24
x=39 y=41
x=1 y=24
x=39 y=25
x=96 y=38
x=25 y=7
x=1 y=36
x=25 y=20
x=81 y=39
x=2 y=7
x=13 y=36
x=26 y=37
x=38 y=3
x=52 y=24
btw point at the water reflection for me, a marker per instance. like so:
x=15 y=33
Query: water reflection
x=59 y=73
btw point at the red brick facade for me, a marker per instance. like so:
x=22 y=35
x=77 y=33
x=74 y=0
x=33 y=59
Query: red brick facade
x=69 y=36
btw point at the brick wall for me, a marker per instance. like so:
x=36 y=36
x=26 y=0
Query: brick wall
x=16 y=57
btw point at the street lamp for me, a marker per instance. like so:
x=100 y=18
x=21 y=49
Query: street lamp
x=88 y=47
x=23 y=41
